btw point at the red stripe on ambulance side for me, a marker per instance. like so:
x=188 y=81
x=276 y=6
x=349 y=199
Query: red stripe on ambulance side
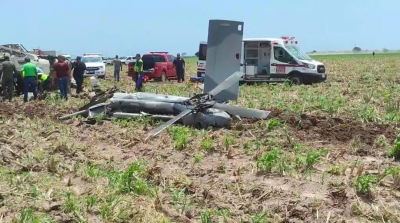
x=286 y=65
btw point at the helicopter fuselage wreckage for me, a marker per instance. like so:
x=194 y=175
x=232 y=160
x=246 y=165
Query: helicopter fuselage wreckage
x=202 y=110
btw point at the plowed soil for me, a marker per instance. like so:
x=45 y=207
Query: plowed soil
x=313 y=127
x=225 y=179
x=307 y=127
x=31 y=110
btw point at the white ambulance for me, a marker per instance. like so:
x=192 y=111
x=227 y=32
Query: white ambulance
x=276 y=60
x=279 y=59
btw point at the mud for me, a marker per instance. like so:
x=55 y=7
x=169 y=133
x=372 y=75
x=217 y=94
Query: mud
x=34 y=109
x=314 y=127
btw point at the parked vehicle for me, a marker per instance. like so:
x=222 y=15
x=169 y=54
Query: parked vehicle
x=123 y=60
x=108 y=61
x=129 y=59
x=94 y=66
x=272 y=60
x=104 y=60
x=201 y=63
x=159 y=64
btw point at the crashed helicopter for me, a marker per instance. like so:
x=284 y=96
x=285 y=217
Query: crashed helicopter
x=202 y=110
x=199 y=111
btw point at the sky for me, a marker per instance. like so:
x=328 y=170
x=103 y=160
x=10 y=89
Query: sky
x=127 y=27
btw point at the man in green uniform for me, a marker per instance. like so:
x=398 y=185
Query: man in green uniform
x=30 y=72
x=138 y=69
x=7 y=72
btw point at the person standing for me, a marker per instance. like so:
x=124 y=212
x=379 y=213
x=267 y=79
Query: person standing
x=138 y=69
x=62 y=73
x=117 y=68
x=7 y=73
x=179 y=65
x=78 y=71
x=30 y=74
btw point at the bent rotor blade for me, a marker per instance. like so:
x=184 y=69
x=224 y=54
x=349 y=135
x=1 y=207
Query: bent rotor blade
x=242 y=112
x=227 y=83
x=160 y=128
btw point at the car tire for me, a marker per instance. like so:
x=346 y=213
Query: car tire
x=163 y=76
x=296 y=79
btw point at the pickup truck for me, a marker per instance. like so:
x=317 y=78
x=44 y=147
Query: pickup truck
x=159 y=64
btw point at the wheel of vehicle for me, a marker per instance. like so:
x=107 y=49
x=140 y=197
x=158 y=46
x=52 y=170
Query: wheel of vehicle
x=163 y=76
x=296 y=79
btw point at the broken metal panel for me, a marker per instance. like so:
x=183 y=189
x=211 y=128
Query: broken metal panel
x=122 y=115
x=148 y=106
x=224 y=47
x=98 y=110
x=242 y=111
x=150 y=96
x=209 y=117
x=83 y=113
x=90 y=112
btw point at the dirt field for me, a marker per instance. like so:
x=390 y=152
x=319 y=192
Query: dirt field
x=327 y=154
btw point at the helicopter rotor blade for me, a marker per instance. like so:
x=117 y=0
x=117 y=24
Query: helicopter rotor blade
x=227 y=83
x=242 y=112
x=162 y=127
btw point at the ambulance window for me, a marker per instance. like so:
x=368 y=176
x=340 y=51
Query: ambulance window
x=281 y=55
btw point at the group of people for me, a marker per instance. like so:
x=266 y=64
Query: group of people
x=32 y=79
x=63 y=72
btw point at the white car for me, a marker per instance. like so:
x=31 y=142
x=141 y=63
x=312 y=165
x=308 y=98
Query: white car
x=104 y=60
x=129 y=59
x=110 y=61
x=94 y=66
x=123 y=60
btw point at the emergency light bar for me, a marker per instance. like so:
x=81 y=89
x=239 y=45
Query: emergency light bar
x=287 y=40
x=159 y=52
